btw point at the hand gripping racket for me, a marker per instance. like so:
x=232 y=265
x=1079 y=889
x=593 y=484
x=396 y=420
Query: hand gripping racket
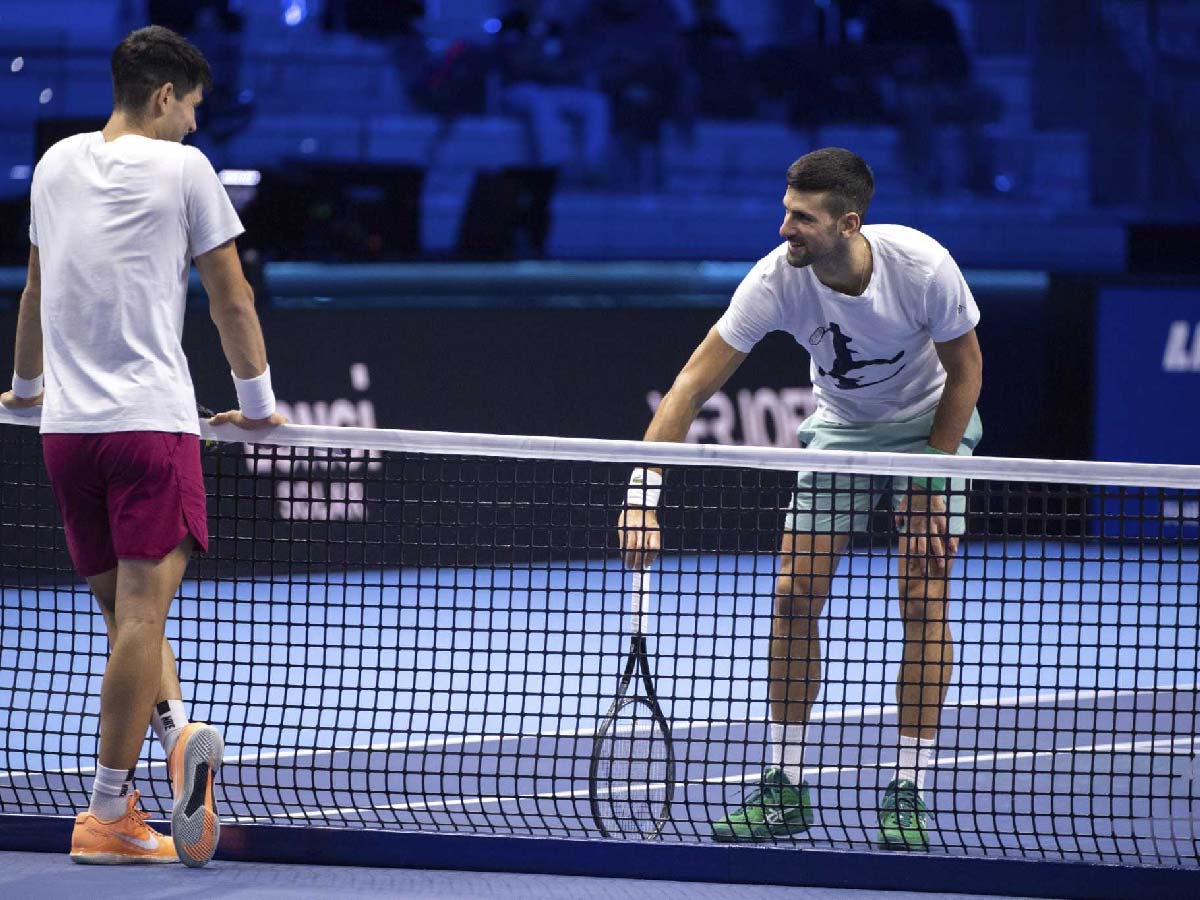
x=632 y=776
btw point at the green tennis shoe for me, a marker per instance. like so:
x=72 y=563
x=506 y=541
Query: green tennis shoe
x=902 y=815
x=775 y=809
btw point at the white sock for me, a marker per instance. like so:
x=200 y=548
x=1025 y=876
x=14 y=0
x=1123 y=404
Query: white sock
x=787 y=751
x=168 y=720
x=915 y=756
x=110 y=792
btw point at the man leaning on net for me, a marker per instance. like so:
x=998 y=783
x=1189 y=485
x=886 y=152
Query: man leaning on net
x=117 y=216
x=889 y=324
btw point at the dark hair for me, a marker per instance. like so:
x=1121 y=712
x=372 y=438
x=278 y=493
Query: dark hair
x=842 y=174
x=149 y=58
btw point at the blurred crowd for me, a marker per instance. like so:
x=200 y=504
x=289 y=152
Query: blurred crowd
x=616 y=73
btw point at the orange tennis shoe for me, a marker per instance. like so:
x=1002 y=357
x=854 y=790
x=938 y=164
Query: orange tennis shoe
x=125 y=840
x=195 y=827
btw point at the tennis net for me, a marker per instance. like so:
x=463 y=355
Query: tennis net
x=425 y=631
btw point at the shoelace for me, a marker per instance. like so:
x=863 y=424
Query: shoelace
x=136 y=810
x=905 y=805
x=756 y=797
x=767 y=797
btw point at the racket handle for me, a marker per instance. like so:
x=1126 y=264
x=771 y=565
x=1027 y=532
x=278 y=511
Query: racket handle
x=639 y=612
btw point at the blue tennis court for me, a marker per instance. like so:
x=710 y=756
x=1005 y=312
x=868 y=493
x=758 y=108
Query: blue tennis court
x=466 y=699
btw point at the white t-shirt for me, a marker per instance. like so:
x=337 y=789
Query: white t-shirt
x=117 y=225
x=872 y=356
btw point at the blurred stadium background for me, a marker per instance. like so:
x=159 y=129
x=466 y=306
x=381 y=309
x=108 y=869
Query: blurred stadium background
x=436 y=193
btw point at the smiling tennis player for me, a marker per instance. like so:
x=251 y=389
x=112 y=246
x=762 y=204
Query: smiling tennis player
x=117 y=217
x=889 y=324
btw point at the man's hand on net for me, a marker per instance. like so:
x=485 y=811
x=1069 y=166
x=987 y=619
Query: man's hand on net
x=640 y=537
x=235 y=417
x=9 y=400
x=922 y=518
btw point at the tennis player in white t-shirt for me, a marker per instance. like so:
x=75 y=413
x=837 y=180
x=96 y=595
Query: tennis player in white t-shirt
x=889 y=324
x=117 y=217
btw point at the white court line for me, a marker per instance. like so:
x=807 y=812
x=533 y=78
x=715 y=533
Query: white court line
x=407 y=744
x=1185 y=742
x=1070 y=696
x=948 y=762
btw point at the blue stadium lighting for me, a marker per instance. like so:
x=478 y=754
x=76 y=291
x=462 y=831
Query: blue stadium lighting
x=294 y=12
x=45 y=96
x=1003 y=184
x=17 y=64
x=491 y=26
x=20 y=173
x=246 y=96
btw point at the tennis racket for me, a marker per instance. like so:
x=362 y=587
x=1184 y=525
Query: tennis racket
x=632 y=776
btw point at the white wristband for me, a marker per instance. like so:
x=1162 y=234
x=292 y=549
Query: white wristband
x=27 y=388
x=645 y=488
x=255 y=396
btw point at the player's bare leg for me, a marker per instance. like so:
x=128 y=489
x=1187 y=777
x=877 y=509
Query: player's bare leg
x=135 y=598
x=104 y=589
x=925 y=674
x=780 y=806
x=806 y=567
x=928 y=642
x=134 y=676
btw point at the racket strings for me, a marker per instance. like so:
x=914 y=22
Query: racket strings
x=633 y=772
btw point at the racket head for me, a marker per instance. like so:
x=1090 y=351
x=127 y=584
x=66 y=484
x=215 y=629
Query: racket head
x=632 y=776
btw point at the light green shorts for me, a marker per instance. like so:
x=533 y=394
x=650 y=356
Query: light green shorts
x=841 y=504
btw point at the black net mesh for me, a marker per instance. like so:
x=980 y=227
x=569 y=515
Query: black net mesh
x=401 y=640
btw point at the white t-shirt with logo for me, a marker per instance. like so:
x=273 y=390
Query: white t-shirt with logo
x=872 y=356
x=117 y=225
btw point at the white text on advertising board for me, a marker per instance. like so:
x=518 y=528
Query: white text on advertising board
x=322 y=484
x=1182 y=353
x=763 y=417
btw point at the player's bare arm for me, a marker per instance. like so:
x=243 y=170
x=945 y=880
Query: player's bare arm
x=963 y=362
x=923 y=514
x=28 y=356
x=710 y=366
x=705 y=372
x=231 y=306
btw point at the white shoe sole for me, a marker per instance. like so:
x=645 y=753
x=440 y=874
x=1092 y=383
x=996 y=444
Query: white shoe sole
x=118 y=859
x=191 y=818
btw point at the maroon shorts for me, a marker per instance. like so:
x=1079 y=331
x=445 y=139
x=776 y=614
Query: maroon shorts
x=126 y=495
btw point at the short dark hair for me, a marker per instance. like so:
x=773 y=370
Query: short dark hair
x=149 y=58
x=845 y=176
